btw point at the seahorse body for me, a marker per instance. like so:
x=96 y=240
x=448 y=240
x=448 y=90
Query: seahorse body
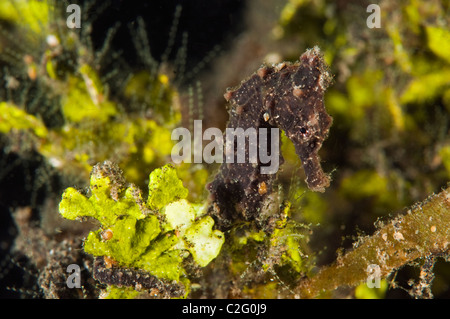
x=285 y=96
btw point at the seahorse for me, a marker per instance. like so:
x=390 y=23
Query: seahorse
x=286 y=96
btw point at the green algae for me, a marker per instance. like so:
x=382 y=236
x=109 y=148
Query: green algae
x=154 y=235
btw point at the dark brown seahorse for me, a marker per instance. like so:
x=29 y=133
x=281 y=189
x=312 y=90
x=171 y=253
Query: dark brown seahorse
x=285 y=96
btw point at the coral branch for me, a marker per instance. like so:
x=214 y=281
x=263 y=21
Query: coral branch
x=423 y=231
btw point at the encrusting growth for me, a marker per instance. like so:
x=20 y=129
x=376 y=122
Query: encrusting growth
x=423 y=232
